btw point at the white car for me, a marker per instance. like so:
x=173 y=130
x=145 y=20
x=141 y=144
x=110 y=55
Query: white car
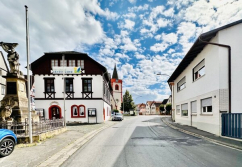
x=117 y=116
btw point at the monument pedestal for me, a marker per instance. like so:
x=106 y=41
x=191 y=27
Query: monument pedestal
x=16 y=98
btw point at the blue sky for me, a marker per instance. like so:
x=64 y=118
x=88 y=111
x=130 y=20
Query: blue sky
x=143 y=37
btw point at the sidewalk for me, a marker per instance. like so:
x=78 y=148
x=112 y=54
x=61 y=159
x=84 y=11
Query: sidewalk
x=230 y=142
x=55 y=149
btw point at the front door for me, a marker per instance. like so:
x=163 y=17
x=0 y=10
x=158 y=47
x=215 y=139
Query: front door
x=55 y=113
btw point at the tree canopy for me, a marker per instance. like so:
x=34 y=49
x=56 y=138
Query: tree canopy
x=128 y=102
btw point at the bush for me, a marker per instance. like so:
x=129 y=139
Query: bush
x=115 y=111
x=168 y=108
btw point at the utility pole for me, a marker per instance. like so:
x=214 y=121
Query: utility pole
x=64 y=89
x=28 y=77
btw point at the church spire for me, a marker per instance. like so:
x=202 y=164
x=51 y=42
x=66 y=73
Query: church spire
x=115 y=73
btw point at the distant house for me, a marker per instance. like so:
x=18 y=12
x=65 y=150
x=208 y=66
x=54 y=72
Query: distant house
x=207 y=82
x=153 y=107
x=140 y=108
x=3 y=71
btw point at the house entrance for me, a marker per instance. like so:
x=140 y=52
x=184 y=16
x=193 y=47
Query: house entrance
x=54 y=112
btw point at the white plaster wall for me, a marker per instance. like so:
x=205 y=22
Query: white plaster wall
x=153 y=111
x=108 y=111
x=232 y=36
x=204 y=87
x=98 y=104
x=214 y=80
x=97 y=88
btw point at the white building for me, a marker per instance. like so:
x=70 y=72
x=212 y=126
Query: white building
x=3 y=72
x=200 y=83
x=87 y=87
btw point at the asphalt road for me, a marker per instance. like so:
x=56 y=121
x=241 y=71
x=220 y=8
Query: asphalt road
x=145 y=141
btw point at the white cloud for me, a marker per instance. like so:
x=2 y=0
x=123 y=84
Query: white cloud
x=138 y=8
x=159 y=47
x=128 y=24
x=129 y=15
x=62 y=25
x=139 y=56
x=132 y=1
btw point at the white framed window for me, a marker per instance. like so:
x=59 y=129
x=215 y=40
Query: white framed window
x=206 y=105
x=54 y=63
x=194 y=106
x=181 y=84
x=2 y=89
x=72 y=63
x=199 y=70
x=82 y=110
x=80 y=63
x=184 y=109
x=65 y=63
x=178 y=109
x=75 y=111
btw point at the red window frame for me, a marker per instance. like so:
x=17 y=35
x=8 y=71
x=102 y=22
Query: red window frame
x=116 y=87
x=78 y=111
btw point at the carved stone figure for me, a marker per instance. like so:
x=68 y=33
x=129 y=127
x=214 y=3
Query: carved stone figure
x=13 y=56
x=8 y=103
x=6 y=113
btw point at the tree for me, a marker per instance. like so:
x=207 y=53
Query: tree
x=128 y=102
x=168 y=108
x=162 y=108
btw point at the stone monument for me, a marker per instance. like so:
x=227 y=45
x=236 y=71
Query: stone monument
x=14 y=105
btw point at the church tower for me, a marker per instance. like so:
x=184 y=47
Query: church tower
x=117 y=89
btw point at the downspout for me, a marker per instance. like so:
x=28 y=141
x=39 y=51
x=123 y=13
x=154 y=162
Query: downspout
x=229 y=66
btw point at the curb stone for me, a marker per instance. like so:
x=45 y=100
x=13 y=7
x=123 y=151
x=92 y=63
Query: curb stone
x=61 y=156
x=203 y=137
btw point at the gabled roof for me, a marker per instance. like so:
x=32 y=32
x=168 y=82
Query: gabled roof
x=164 y=101
x=4 y=61
x=197 y=48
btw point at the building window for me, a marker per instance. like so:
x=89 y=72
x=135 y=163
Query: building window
x=49 y=85
x=199 y=70
x=78 y=111
x=194 y=106
x=65 y=63
x=181 y=84
x=75 y=111
x=207 y=105
x=116 y=87
x=69 y=84
x=184 y=109
x=178 y=109
x=72 y=63
x=87 y=85
x=80 y=63
x=82 y=111
x=54 y=63
x=2 y=89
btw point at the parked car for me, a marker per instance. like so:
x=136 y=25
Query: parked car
x=7 y=142
x=117 y=116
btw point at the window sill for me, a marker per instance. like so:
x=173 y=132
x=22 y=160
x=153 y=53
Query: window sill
x=184 y=116
x=198 y=78
x=206 y=114
x=78 y=116
x=194 y=114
